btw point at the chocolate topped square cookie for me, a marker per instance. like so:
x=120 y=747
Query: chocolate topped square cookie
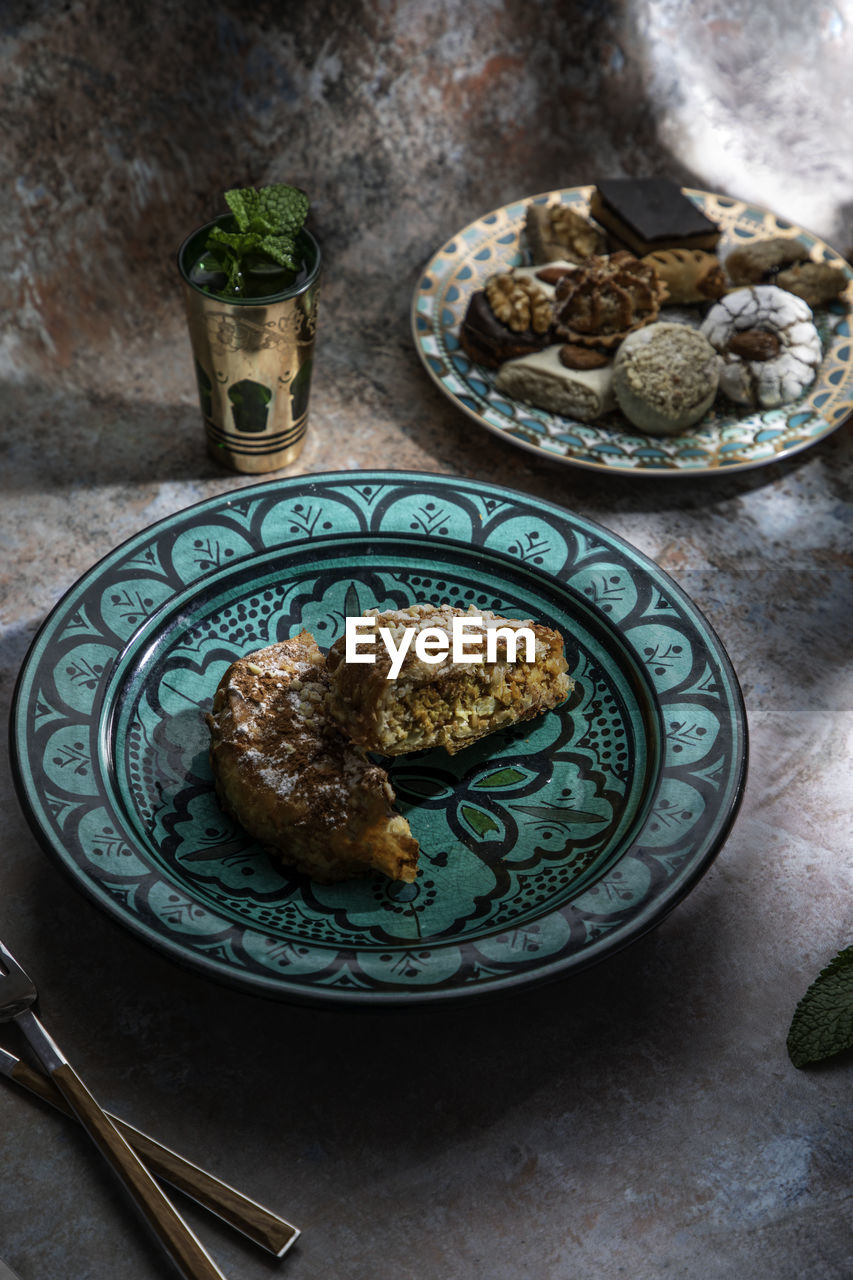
x=651 y=213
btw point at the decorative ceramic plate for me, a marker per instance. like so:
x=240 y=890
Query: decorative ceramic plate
x=543 y=847
x=724 y=440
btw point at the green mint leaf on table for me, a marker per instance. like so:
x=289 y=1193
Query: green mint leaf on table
x=823 y=1020
x=268 y=221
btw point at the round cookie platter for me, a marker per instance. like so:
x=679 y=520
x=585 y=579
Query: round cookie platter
x=727 y=439
x=544 y=847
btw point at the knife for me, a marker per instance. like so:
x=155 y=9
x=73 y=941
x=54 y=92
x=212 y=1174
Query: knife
x=260 y=1225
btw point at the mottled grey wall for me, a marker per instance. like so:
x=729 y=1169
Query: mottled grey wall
x=122 y=123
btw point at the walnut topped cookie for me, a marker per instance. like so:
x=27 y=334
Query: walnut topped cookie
x=606 y=298
x=519 y=302
x=510 y=317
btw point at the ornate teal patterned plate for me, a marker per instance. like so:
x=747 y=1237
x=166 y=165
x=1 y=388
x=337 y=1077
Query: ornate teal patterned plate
x=724 y=440
x=544 y=847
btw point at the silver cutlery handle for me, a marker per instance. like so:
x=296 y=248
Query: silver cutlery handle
x=257 y=1223
x=183 y=1246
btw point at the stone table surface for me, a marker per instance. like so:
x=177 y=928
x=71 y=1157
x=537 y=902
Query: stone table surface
x=641 y=1119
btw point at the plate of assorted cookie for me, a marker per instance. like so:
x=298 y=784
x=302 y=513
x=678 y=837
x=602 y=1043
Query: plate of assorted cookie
x=635 y=327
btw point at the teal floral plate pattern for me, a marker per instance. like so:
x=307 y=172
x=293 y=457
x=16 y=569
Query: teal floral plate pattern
x=543 y=848
x=723 y=441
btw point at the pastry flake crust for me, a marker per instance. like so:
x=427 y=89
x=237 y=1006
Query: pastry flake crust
x=286 y=773
x=546 y=380
x=443 y=704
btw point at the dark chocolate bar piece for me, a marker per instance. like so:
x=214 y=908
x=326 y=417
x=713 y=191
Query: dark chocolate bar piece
x=652 y=213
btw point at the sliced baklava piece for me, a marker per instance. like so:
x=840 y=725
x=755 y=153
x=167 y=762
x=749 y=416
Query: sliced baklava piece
x=444 y=703
x=558 y=231
x=285 y=771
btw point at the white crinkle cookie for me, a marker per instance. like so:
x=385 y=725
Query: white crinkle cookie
x=768 y=343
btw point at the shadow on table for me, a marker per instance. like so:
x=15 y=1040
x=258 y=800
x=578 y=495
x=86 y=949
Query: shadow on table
x=52 y=438
x=408 y=1083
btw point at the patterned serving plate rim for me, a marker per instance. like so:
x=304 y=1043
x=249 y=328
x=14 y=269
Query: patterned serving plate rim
x=654 y=910
x=584 y=462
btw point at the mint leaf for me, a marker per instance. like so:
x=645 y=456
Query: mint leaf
x=239 y=204
x=281 y=249
x=279 y=209
x=823 y=1020
x=284 y=208
x=268 y=221
x=240 y=242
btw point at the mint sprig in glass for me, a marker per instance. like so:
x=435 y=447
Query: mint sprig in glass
x=258 y=255
x=251 y=284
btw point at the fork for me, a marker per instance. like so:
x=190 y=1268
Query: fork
x=255 y=1221
x=17 y=996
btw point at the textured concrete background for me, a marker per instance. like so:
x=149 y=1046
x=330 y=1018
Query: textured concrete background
x=642 y=1120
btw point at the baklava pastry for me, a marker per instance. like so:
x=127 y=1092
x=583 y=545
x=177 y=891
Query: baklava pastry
x=444 y=703
x=556 y=231
x=284 y=770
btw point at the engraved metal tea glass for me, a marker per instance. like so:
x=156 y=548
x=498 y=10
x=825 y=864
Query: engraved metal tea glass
x=253 y=360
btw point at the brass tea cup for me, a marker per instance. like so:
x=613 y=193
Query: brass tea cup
x=253 y=360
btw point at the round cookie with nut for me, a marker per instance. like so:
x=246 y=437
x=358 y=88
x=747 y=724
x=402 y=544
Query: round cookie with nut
x=769 y=347
x=665 y=378
x=605 y=299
